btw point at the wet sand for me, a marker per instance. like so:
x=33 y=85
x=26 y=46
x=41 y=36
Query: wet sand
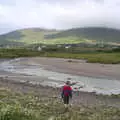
x=79 y=98
x=22 y=83
x=76 y=67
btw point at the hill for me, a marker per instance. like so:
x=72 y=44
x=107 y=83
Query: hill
x=46 y=36
x=25 y=36
x=97 y=34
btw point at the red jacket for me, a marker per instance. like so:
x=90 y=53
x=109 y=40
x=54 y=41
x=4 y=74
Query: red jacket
x=66 y=91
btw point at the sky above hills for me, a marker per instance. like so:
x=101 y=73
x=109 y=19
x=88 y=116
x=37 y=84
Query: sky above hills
x=59 y=14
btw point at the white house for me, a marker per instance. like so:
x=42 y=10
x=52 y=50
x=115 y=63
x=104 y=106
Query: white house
x=67 y=47
x=39 y=48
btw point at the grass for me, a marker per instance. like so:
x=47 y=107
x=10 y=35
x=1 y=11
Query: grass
x=106 y=58
x=31 y=106
x=32 y=37
x=93 y=57
x=15 y=53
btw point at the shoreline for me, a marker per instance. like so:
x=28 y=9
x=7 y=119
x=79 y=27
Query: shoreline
x=23 y=83
x=52 y=72
x=79 y=97
x=76 y=67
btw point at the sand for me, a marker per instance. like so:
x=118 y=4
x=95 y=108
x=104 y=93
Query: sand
x=77 y=67
x=79 y=98
x=20 y=82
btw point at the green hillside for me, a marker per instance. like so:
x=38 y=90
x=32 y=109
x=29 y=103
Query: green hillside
x=72 y=36
x=96 y=34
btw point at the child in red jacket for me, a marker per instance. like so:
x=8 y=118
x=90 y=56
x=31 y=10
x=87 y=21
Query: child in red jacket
x=66 y=93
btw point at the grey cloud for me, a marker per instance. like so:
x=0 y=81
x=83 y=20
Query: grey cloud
x=60 y=14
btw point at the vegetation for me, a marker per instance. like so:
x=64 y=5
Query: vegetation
x=108 y=57
x=31 y=106
x=72 y=36
x=90 y=33
x=15 y=53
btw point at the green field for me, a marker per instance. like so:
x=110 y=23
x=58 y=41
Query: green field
x=93 y=57
x=106 y=58
x=33 y=37
x=33 y=106
x=72 y=36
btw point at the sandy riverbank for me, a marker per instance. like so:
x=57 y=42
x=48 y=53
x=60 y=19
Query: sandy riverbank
x=25 y=83
x=79 y=98
x=76 y=67
x=55 y=71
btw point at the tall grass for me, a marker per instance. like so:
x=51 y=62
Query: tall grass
x=15 y=53
x=92 y=57
x=18 y=106
x=106 y=58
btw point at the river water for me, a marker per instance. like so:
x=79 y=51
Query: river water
x=56 y=79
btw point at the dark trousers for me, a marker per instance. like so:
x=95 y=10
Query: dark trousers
x=66 y=99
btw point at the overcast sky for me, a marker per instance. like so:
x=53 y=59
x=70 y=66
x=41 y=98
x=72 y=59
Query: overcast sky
x=59 y=14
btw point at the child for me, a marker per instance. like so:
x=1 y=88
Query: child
x=66 y=93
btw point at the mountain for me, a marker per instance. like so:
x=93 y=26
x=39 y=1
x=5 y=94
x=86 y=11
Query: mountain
x=47 y=36
x=97 y=34
x=25 y=36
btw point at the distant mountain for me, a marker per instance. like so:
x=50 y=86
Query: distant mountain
x=97 y=34
x=46 y=36
x=25 y=36
x=10 y=38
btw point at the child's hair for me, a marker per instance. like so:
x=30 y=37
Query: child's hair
x=68 y=83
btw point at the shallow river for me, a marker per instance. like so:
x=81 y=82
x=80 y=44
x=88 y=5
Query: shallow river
x=56 y=79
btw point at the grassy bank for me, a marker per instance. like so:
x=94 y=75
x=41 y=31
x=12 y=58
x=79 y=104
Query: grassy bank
x=106 y=58
x=15 y=53
x=18 y=106
x=94 y=57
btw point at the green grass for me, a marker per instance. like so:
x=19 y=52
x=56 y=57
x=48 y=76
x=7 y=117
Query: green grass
x=67 y=40
x=18 y=106
x=15 y=53
x=106 y=58
x=30 y=36
x=71 y=36
x=94 y=57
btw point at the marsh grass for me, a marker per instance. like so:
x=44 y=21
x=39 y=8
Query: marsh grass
x=105 y=58
x=18 y=106
x=94 y=57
